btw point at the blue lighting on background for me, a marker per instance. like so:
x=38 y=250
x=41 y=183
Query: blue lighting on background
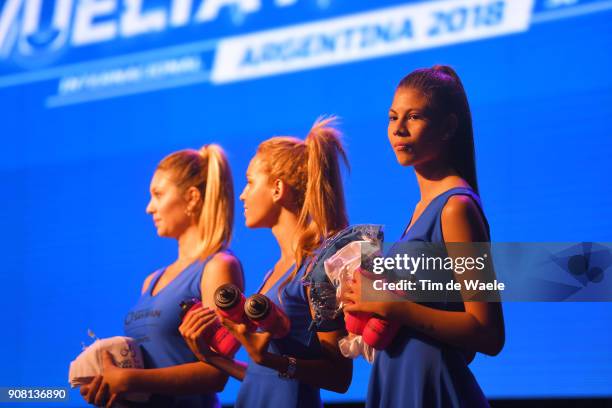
x=91 y=104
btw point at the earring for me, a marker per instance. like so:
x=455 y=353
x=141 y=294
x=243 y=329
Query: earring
x=188 y=212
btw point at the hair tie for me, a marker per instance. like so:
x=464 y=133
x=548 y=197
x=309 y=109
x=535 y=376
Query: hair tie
x=203 y=152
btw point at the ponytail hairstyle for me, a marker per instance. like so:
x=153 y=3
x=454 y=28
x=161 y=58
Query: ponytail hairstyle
x=207 y=170
x=445 y=94
x=311 y=171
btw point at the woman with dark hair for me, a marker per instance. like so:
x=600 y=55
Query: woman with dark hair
x=430 y=129
x=294 y=188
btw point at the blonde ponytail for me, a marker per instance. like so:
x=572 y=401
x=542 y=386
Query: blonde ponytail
x=207 y=170
x=311 y=168
x=324 y=209
x=217 y=215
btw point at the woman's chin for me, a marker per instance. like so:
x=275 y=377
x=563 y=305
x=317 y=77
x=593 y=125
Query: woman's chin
x=162 y=233
x=405 y=158
x=254 y=224
x=405 y=161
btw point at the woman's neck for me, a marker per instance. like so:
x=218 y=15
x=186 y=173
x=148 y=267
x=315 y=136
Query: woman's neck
x=286 y=233
x=188 y=244
x=434 y=179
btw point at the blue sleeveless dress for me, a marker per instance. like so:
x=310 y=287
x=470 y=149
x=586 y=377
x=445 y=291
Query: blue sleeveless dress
x=415 y=370
x=154 y=322
x=262 y=387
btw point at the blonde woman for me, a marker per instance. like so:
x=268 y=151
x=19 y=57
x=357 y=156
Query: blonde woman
x=192 y=202
x=294 y=187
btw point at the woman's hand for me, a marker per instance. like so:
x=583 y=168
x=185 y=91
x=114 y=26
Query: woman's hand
x=106 y=388
x=382 y=309
x=93 y=393
x=350 y=292
x=352 y=298
x=256 y=344
x=192 y=329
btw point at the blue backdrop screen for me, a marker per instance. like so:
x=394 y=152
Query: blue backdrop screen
x=95 y=93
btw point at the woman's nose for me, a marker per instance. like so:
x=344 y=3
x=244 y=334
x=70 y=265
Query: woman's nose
x=400 y=129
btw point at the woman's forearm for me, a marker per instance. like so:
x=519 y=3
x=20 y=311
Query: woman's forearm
x=231 y=367
x=190 y=378
x=330 y=374
x=460 y=329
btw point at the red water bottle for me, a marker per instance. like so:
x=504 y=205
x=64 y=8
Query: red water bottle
x=230 y=303
x=379 y=333
x=215 y=335
x=356 y=321
x=267 y=316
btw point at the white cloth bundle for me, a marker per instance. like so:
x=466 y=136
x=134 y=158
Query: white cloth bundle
x=340 y=269
x=126 y=354
x=352 y=346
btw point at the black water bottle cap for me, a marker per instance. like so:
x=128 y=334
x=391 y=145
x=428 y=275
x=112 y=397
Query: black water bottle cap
x=226 y=296
x=257 y=307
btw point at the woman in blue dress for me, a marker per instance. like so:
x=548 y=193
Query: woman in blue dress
x=430 y=129
x=294 y=187
x=191 y=201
